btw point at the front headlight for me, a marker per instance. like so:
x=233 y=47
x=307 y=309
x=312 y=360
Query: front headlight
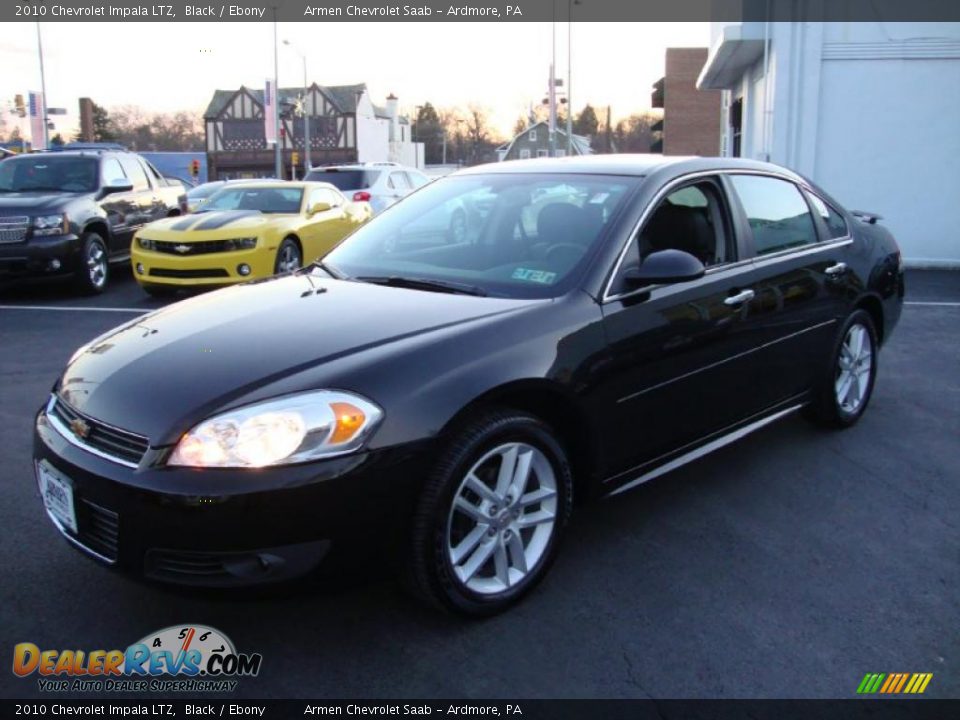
x=289 y=430
x=240 y=244
x=146 y=243
x=50 y=224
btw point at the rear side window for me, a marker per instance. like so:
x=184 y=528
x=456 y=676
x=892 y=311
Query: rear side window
x=836 y=225
x=345 y=179
x=778 y=215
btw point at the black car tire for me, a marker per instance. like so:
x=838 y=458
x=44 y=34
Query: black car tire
x=159 y=291
x=88 y=279
x=430 y=573
x=288 y=249
x=826 y=409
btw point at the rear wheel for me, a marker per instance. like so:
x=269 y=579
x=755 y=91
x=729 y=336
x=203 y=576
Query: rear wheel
x=93 y=269
x=289 y=257
x=491 y=515
x=846 y=386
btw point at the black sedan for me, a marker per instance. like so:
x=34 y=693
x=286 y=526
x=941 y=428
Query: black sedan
x=447 y=399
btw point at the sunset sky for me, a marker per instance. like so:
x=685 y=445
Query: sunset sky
x=177 y=66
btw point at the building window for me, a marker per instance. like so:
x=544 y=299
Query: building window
x=542 y=153
x=561 y=153
x=736 y=126
x=525 y=153
x=532 y=135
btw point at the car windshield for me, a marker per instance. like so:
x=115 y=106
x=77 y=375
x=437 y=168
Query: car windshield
x=511 y=235
x=44 y=172
x=345 y=179
x=272 y=200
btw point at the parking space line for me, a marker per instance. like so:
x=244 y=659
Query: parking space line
x=934 y=304
x=140 y=311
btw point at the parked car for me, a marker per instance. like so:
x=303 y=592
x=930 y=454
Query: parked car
x=454 y=400
x=74 y=212
x=245 y=230
x=381 y=183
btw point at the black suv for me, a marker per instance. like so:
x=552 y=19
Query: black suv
x=74 y=212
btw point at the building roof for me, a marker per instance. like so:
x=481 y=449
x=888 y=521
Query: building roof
x=343 y=96
x=580 y=142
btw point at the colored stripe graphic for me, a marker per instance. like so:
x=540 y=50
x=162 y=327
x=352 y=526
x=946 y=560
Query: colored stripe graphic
x=894 y=683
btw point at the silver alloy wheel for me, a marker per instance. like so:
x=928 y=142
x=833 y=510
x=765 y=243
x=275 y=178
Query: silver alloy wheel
x=289 y=259
x=853 y=368
x=502 y=518
x=96 y=265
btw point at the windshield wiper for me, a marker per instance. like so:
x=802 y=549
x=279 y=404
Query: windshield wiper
x=329 y=270
x=423 y=284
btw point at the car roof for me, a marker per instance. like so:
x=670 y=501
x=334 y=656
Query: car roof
x=625 y=164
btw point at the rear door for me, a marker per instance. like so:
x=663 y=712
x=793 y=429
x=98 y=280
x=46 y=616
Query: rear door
x=799 y=280
x=681 y=360
x=143 y=194
x=121 y=208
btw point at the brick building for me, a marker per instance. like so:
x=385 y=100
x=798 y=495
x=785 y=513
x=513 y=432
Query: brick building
x=691 y=117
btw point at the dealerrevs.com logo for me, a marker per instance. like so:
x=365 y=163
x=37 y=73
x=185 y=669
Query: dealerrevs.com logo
x=179 y=658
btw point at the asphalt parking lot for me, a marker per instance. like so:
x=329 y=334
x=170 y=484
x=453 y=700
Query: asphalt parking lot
x=787 y=565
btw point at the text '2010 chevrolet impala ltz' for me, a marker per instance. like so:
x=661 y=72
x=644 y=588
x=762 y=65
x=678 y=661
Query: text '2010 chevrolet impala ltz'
x=449 y=380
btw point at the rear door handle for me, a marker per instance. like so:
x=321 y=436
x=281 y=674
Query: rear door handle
x=839 y=269
x=740 y=298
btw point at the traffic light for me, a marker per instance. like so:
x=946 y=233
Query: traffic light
x=20 y=106
x=294 y=158
x=195 y=168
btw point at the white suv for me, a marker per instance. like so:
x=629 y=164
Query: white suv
x=379 y=183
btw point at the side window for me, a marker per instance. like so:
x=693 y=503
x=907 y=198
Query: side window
x=152 y=174
x=778 y=215
x=689 y=219
x=399 y=181
x=135 y=172
x=111 y=170
x=834 y=222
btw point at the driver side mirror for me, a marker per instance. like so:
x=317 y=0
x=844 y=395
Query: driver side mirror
x=664 y=266
x=116 y=185
x=319 y=207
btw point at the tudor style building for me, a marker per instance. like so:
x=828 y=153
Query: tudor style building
x=345 y=126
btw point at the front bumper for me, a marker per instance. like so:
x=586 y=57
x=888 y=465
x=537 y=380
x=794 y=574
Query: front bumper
x=225 y=528
x=40 y=255
x=211 y=269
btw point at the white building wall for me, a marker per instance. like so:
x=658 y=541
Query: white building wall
x=373 y=133
x=870 y=111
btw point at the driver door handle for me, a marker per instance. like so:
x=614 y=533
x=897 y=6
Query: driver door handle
x=837 y=269
x=740 y=298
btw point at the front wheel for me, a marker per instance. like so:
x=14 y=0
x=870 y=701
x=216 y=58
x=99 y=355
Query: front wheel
x=93 y=269
x=288 y=257
x=491 y=514
x=846 y=384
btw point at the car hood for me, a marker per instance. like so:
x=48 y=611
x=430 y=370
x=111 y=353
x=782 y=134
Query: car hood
x=162 y=373
x=207 y=225
x=18 y=203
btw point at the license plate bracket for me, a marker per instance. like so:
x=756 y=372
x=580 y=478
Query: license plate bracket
x=57 y=492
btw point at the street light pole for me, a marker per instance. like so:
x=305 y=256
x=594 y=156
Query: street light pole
x=277 y=158
x=43 y=90
x=570 y=4
x=307 y=160
x=553 y=87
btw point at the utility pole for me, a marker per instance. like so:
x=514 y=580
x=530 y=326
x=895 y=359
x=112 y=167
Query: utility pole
x=570 y=4
x=305 y=107
x=277 y=154
x=552 y=95
x=43 y=90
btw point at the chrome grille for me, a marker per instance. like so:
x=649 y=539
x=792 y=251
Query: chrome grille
x=13 y=229
x=113 y=443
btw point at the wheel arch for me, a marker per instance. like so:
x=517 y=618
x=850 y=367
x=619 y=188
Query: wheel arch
x=874 y=307
x=557 y=408
x=98 y=226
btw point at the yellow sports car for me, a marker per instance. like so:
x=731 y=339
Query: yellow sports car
x=244 y=231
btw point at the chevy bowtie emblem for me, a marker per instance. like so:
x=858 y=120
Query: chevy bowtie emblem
x=79 y=428
x=182 y=249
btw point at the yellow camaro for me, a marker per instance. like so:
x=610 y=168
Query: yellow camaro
x=244 y=231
